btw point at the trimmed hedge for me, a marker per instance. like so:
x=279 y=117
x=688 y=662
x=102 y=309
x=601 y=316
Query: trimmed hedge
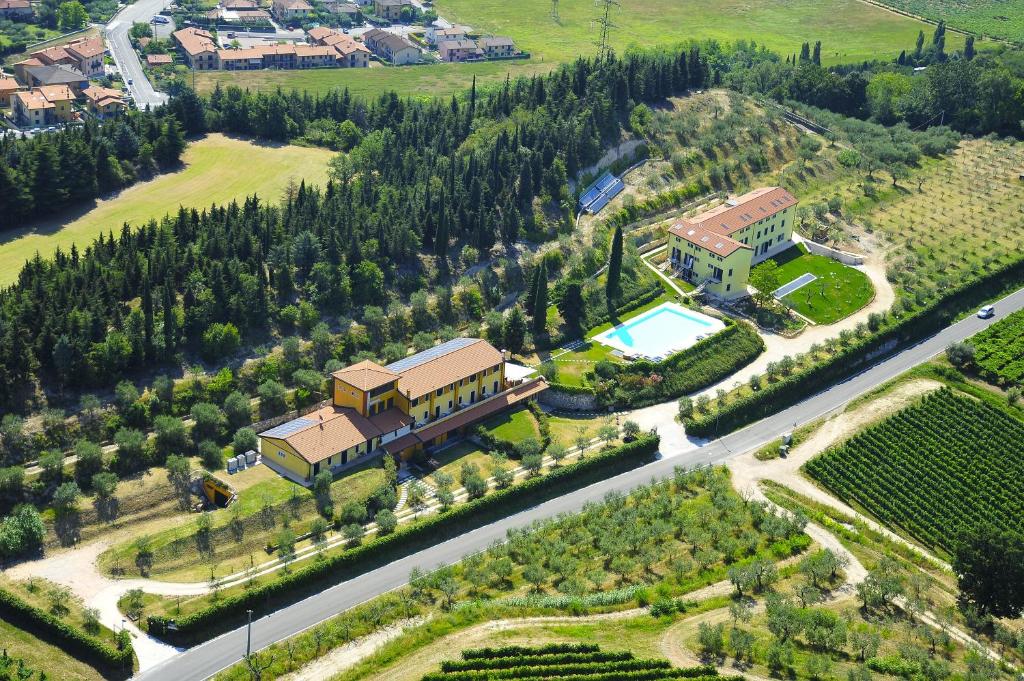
x=519 y=651
x=929 y=319
x=207 y=622
x=108 y=659
x=705 y=363
x=535 y=658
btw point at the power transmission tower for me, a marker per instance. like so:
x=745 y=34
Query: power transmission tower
x=554 y=11
x=604 y=21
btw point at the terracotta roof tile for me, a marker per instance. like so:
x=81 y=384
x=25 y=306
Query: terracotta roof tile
x=365 y=375
x=466 y=358
x=327 y=432
x=743 y=210
x=482 y=410
x=391 y=420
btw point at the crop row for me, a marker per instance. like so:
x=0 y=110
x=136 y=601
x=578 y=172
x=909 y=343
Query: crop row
x=999 y=350
x=945 y=463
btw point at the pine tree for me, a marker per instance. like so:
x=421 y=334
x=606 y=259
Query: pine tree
x=969 y=48
x=805 y=52
x=613 y=285
x=816 y=55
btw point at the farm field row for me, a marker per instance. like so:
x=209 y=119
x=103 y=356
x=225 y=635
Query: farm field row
x=933 y=469
x=997 y=18
x=217 y=169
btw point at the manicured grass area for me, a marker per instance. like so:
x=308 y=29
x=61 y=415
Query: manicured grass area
x=41 y=656
x=421 y=82
x=217 y=169
x=849 y=30
x=513 y=426
x=997 y=18
x=571 y=366
x=566 y=429
x=838 y=291
x=454 y=457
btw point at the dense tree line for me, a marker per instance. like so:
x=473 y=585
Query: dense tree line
x=971 y=92
x=423 y=177
x=48 y=173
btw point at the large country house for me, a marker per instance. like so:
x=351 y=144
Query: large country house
x=717 y=248
x=410 y=405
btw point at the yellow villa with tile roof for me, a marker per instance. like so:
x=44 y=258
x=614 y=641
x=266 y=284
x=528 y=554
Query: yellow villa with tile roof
x=413 y=404
x=716 y=249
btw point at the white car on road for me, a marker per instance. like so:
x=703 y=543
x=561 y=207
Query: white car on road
x=987 y=312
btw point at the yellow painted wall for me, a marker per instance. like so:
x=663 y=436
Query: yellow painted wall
x=346 y=395
x=272 y=450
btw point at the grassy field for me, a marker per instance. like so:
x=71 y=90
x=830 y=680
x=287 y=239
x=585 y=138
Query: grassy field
x=850 y=31
x=453 y=458
x=996 y=18
x=42 y=656
x=513 y=426
x=838 y=291
x=212 y=174
x=262 y=510
x=429 y=80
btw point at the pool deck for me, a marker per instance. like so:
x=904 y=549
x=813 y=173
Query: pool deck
x=632 y=340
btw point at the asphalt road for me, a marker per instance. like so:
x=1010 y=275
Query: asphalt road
x=142 y=11
x=207 y=659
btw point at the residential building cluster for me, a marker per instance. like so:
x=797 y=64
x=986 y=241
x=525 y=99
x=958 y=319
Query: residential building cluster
x=328 y=49
x=52 y=86
x=400 y=409
x=716 y=249
x=454 y=45
x=16 y=9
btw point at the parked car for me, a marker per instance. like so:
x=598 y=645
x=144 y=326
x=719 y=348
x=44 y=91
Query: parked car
x=161 y=20
x=987 y=312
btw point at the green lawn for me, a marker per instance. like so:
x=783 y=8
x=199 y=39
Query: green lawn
x=40 y=656
x=565 y=429
x=217 y=169
x=570 y=367
x=452 y=458
x=849 y=30
x=513 y=426
x=838 y=291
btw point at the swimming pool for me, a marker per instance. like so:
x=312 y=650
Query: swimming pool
x=658 y=333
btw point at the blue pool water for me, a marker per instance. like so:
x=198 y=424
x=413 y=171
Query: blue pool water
x=660 y=332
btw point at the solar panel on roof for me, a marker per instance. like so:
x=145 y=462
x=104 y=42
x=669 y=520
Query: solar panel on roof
x=429 y=354
x=289 y=428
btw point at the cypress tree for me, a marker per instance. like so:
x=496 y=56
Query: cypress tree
x=816 y=55
x=613 y=285
x=969 y=48
x=540 y=299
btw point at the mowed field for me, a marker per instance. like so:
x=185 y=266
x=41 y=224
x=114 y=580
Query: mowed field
x=217 y=169
x=849 y=30
x=997 y=18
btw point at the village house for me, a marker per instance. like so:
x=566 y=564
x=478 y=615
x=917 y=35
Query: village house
x=104 y=102
x=435 y=35
x=224 y=15
x=390 y=9
x=290 y=11
x=496 y=46
x=460 y=49
x=400 y=409
x=16 y=9
x=351 y=53
x=717 y=248
x=348 y=11
x=46 y=105
x=198 y=48
x=391 y=47
x=35 y=75
x=84 y=55
x=154 y=60
x=8 y=86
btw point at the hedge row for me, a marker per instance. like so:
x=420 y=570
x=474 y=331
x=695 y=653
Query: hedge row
x=504 y=662
x=549 y=670
x=512 y=651
x=406 y=539
x=848 y=361
x=705 y=363
x=541 y=674
x=108 y=659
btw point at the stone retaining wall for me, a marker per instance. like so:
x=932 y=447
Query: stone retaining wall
x=556 y=399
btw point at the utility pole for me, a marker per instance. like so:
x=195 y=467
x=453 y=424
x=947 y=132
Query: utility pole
x=604 y=20
x=248 y=636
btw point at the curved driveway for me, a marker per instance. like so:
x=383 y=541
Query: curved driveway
x=207 y=659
